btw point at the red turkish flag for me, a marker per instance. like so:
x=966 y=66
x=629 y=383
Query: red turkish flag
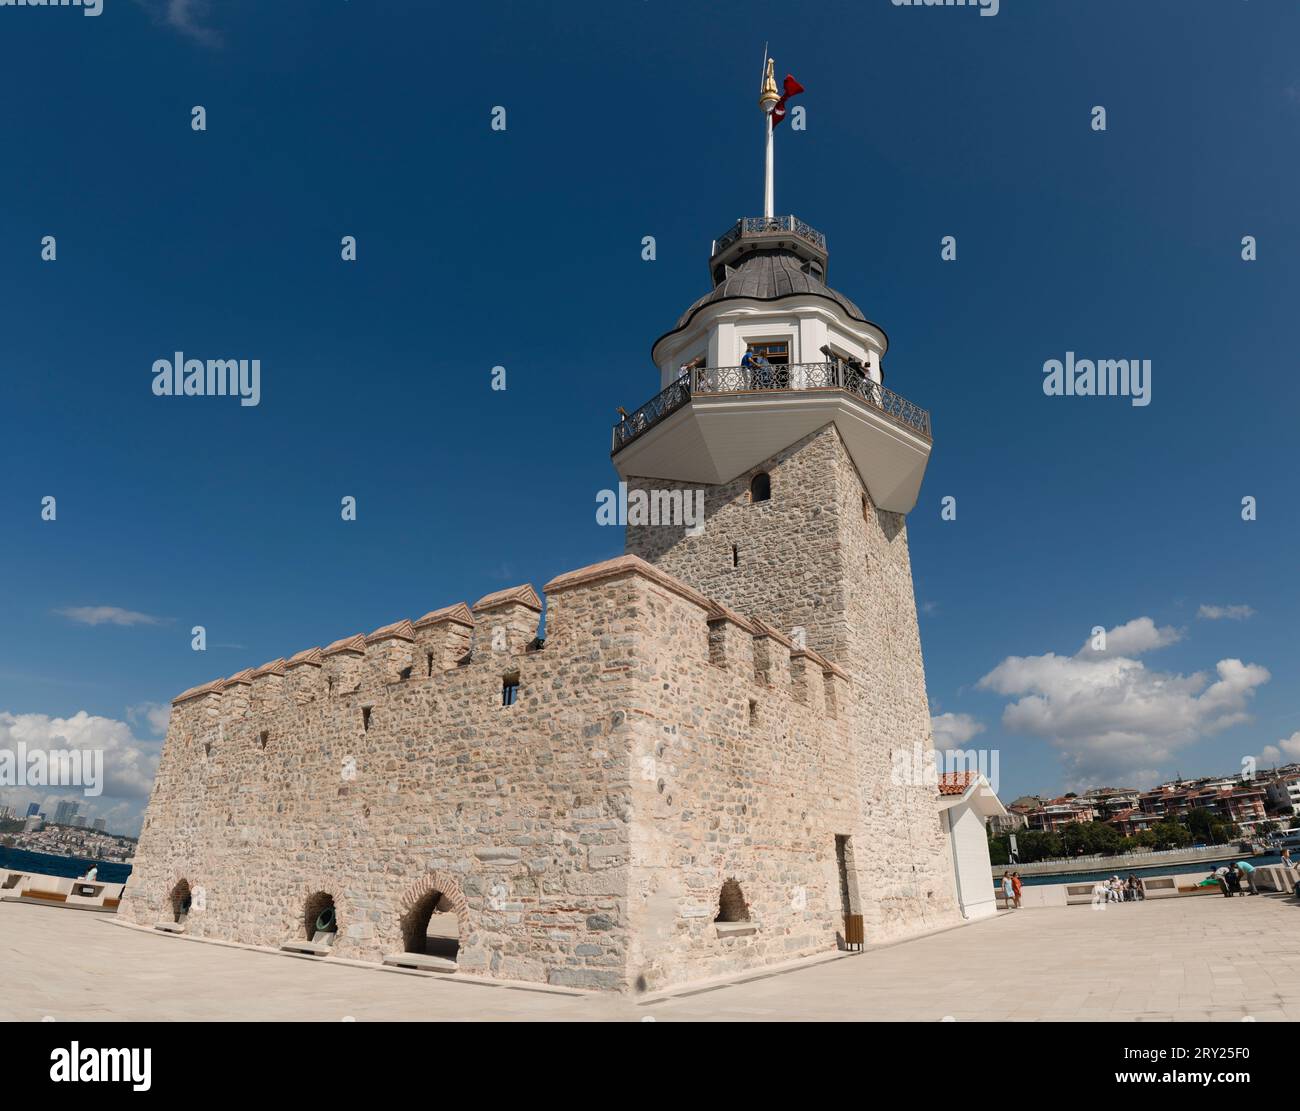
x=792 y=88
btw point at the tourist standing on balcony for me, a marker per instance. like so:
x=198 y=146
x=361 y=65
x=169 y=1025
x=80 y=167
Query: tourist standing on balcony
x=760 y=369
x=1008 y=889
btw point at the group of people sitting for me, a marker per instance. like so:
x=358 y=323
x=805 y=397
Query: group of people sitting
x=1116 y=890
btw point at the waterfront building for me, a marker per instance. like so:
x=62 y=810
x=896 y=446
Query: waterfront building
x=692 y=774
x=1063 y=811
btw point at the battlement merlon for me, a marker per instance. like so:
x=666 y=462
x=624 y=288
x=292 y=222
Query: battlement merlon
x=440 y=641
x=444 y=637
x=508 y=620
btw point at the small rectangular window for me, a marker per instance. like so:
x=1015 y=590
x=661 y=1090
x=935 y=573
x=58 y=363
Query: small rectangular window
x=509 y=690
x=365 y=717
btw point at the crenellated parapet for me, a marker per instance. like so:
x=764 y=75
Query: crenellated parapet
x=500 y=629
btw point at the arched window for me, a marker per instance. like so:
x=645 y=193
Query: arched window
x=318 y=916
x=731 y=904
x=760 y=487
x=180 y=900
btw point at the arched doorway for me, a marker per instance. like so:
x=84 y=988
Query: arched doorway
x=319 y=918
x=434 y=911
x=431 y=926
x=180 y=899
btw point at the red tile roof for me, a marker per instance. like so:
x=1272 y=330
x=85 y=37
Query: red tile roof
x=955 y=783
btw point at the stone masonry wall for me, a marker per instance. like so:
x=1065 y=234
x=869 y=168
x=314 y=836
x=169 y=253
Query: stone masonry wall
x=522 y=811
x=581 y=836
x=819 y=557
x=742 y=755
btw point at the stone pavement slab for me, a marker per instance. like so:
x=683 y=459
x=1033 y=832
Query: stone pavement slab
x=1173 y=959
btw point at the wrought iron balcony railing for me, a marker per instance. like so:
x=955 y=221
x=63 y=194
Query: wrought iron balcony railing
x=758 y=225
x=791 y=378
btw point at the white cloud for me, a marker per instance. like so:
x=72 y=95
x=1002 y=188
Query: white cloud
x=1132 y=639
x=107 y=615
x=129 y=764
x=954 y=730
x=1286 y=751
x=185 y=16
x=156 y=714
x=1111 y=717
x=1225 y=613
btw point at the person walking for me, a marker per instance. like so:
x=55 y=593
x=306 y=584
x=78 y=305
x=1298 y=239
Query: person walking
x=1015 y=887
x=1008 y=889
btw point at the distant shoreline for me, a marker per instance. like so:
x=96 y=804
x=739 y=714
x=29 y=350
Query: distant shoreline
x=1118 y=867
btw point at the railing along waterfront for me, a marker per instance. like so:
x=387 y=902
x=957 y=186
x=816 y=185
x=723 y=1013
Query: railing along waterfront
x=764 y=379
x=758 y=225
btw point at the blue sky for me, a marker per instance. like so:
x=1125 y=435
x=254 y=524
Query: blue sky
x=521 y=248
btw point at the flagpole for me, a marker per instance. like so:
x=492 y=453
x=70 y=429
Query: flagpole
x=767 y=99
x=769 y=185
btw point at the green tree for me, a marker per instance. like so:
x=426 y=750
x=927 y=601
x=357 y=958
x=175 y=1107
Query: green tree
x=999 y=856
x=1037 y=844
x=1171 y=834
x=1090 y=837
x=1203 y=825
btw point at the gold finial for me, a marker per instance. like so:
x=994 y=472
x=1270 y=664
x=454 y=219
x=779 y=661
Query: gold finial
x=769 y=96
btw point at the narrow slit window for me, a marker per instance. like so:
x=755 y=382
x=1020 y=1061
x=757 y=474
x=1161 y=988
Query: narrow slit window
x=735 y=555
x=365 y=718
x=509 y=690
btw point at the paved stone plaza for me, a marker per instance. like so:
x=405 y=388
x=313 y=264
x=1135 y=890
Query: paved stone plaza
x=1181 y=959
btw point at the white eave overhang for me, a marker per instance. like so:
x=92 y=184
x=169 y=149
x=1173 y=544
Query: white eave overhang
x=713 y=438
x=980 y=796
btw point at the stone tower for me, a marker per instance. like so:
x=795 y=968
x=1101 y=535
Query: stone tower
x=773 y=404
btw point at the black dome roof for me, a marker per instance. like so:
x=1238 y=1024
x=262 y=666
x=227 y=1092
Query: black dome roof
x=769 y=275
